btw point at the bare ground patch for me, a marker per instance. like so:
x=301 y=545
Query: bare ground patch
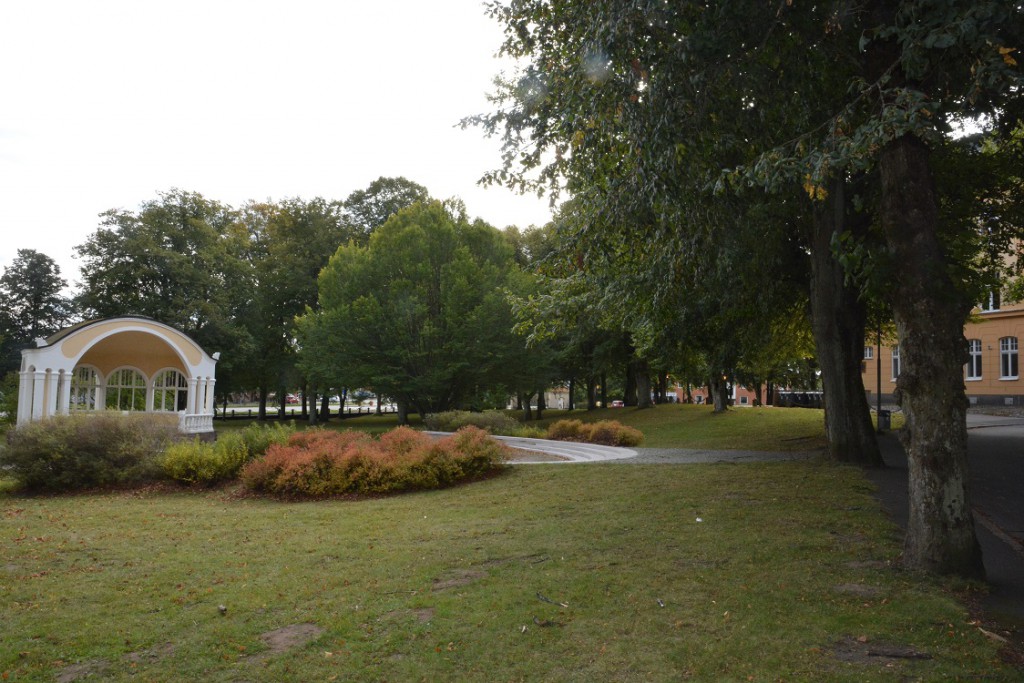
x=863 y=650
x=76 y=672
x=287 y=638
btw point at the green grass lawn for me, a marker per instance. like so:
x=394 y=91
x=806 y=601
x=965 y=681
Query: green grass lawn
x=663 y=573
x=665 y=426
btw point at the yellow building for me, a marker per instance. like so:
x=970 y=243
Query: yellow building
x=992 y=372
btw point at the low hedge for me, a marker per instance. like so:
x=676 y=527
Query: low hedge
x=69 y=452
x=604 y=432
x=319 y=463
x=199 y=462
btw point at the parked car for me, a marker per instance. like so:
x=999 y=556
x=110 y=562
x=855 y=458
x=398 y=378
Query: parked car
x=616 y=404
x=291 y=398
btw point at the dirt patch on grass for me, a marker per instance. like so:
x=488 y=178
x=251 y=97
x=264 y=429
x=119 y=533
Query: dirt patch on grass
x=153 y=654
x=288 y=638
x=858 y=590
x=76 y=672
x=456 y=578
x=863 y=650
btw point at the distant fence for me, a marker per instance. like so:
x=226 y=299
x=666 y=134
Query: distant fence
x=799 y=399
x=295 y=413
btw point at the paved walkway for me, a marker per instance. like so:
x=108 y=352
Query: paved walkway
x=569 y=452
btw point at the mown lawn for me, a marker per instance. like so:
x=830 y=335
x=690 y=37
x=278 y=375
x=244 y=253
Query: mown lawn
x=611 y=572
x=664 y=426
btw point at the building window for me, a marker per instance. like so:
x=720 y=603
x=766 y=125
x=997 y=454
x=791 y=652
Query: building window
x=869 y=352
x=1008 y=358
x=974 y=359
x=170 y=391
x=991 y=302
x=126 y=390
x=84 y=384
x=895 y=362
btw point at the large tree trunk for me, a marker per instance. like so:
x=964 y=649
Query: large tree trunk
x=837 y=319
x=572 y=393
x=541 y=404
x=325 y=406
x=403 y=411
x=591 y=393
x=604 y=390
x=309 y=394
x=719 y=393
x=262 y=410
x=641 y=373
x=930 y=314
x=527 y=410
x=629 y=399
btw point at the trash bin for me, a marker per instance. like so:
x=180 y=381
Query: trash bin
x=884 y=420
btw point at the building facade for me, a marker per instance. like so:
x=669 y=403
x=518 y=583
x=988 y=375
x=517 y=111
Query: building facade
x=992 y=373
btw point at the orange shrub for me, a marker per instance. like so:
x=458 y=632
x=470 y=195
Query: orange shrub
x=605 y=432
x=322 y=463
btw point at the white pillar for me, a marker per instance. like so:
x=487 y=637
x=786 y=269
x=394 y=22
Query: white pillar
x=38 y=389
x=210 y=384
x=24 y=397
x=192 y=397
x=50 y=405
x=65 y=393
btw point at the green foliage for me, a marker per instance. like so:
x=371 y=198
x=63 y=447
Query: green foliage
x=371 y=208
x=81 y=451
x=258 y=438
x=318 y=463
x=198 y=462
x=604 y=432
x=493 y=421
x=31 y=304
x=9 y=398
x=418 y=314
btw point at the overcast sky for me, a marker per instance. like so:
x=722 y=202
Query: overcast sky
x=105 y=103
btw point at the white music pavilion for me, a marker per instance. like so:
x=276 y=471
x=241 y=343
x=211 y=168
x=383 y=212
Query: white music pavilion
x=129 y=364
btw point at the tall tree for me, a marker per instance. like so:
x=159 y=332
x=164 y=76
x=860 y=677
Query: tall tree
x=289 y=242
x=177 y=259
x=371 y=208
x=32 y=304
x=788 y=95
x=418 y=313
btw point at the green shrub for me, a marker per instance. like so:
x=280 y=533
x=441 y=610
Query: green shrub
x=318 y=463
x=525 y=432
x=198 y=462
x=605 y=432
x=258 y=438
x=71 y=452
x=493 y=421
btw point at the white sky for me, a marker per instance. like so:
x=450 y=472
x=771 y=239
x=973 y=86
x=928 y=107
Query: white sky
x=105 y=103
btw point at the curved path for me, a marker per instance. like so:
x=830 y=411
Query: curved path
x=568 y=452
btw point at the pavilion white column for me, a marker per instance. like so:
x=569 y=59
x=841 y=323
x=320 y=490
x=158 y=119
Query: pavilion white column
x=38 y=390
x=50 y=403
x=210 y=383
x=193 y=399
x=65 y=393
x=24 y=397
